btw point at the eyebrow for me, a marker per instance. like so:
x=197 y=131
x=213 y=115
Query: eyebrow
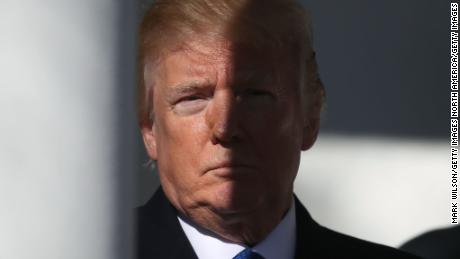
x=252 y=77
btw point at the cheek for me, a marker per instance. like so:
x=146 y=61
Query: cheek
x=181 y=142
x=179 y=155
x=290 y=120
x=188 y=133
x=281 y=122
x=277 y=136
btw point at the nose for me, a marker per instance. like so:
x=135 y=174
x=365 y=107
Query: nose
x=222 y=117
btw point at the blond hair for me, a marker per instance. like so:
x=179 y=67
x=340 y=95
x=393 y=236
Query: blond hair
x=280 y=25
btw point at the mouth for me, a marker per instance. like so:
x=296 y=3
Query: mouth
x=231 y=170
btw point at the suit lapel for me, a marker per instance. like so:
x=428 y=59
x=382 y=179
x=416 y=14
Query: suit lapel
x=307 y=231
x=159 y=232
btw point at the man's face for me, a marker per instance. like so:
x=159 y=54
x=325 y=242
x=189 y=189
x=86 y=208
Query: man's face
x=228 y=127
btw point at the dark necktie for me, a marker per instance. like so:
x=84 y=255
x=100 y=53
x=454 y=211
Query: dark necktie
x=248 y=254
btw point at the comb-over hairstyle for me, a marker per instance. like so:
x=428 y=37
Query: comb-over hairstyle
x=281 y=26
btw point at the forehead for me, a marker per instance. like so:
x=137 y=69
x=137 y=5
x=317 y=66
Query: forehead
x=199 y=56
x=202 y=56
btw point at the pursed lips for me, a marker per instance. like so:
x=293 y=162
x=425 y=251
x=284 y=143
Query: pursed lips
x=230 y=169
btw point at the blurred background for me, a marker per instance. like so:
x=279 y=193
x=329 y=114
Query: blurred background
x=67 y=157
x=72 y=163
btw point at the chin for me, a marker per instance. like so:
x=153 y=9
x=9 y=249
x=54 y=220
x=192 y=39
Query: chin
x=233 y=198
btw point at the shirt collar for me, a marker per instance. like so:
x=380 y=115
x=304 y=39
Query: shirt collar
x=280 y=243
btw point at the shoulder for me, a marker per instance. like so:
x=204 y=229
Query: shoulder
x=440 y=243
x=340 y=244
x=316 y=241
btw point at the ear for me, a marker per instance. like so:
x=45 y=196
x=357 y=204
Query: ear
x=150 y=140
x=310 y=133
x=312 y=122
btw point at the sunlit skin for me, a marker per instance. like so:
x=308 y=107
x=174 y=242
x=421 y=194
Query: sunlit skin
x=227 y=134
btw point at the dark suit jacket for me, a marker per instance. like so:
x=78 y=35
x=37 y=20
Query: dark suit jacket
x=436 y=244
x=160 y=236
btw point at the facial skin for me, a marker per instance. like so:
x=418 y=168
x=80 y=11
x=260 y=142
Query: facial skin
x=227 y=134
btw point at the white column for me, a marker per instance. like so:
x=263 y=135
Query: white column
x=66 y=119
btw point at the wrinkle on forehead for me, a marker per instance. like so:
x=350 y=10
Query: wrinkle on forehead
x=212 y=47
x=209 y=49
x=240 y=65
x=232 y=56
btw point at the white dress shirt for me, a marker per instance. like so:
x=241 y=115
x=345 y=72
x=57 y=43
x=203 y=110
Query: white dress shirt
x=279 y=244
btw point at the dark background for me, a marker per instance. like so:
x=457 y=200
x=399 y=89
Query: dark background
x=385 y=66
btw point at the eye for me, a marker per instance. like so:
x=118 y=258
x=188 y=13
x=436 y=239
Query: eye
x=191 y=104
x=190 y=98
x=257 y=99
